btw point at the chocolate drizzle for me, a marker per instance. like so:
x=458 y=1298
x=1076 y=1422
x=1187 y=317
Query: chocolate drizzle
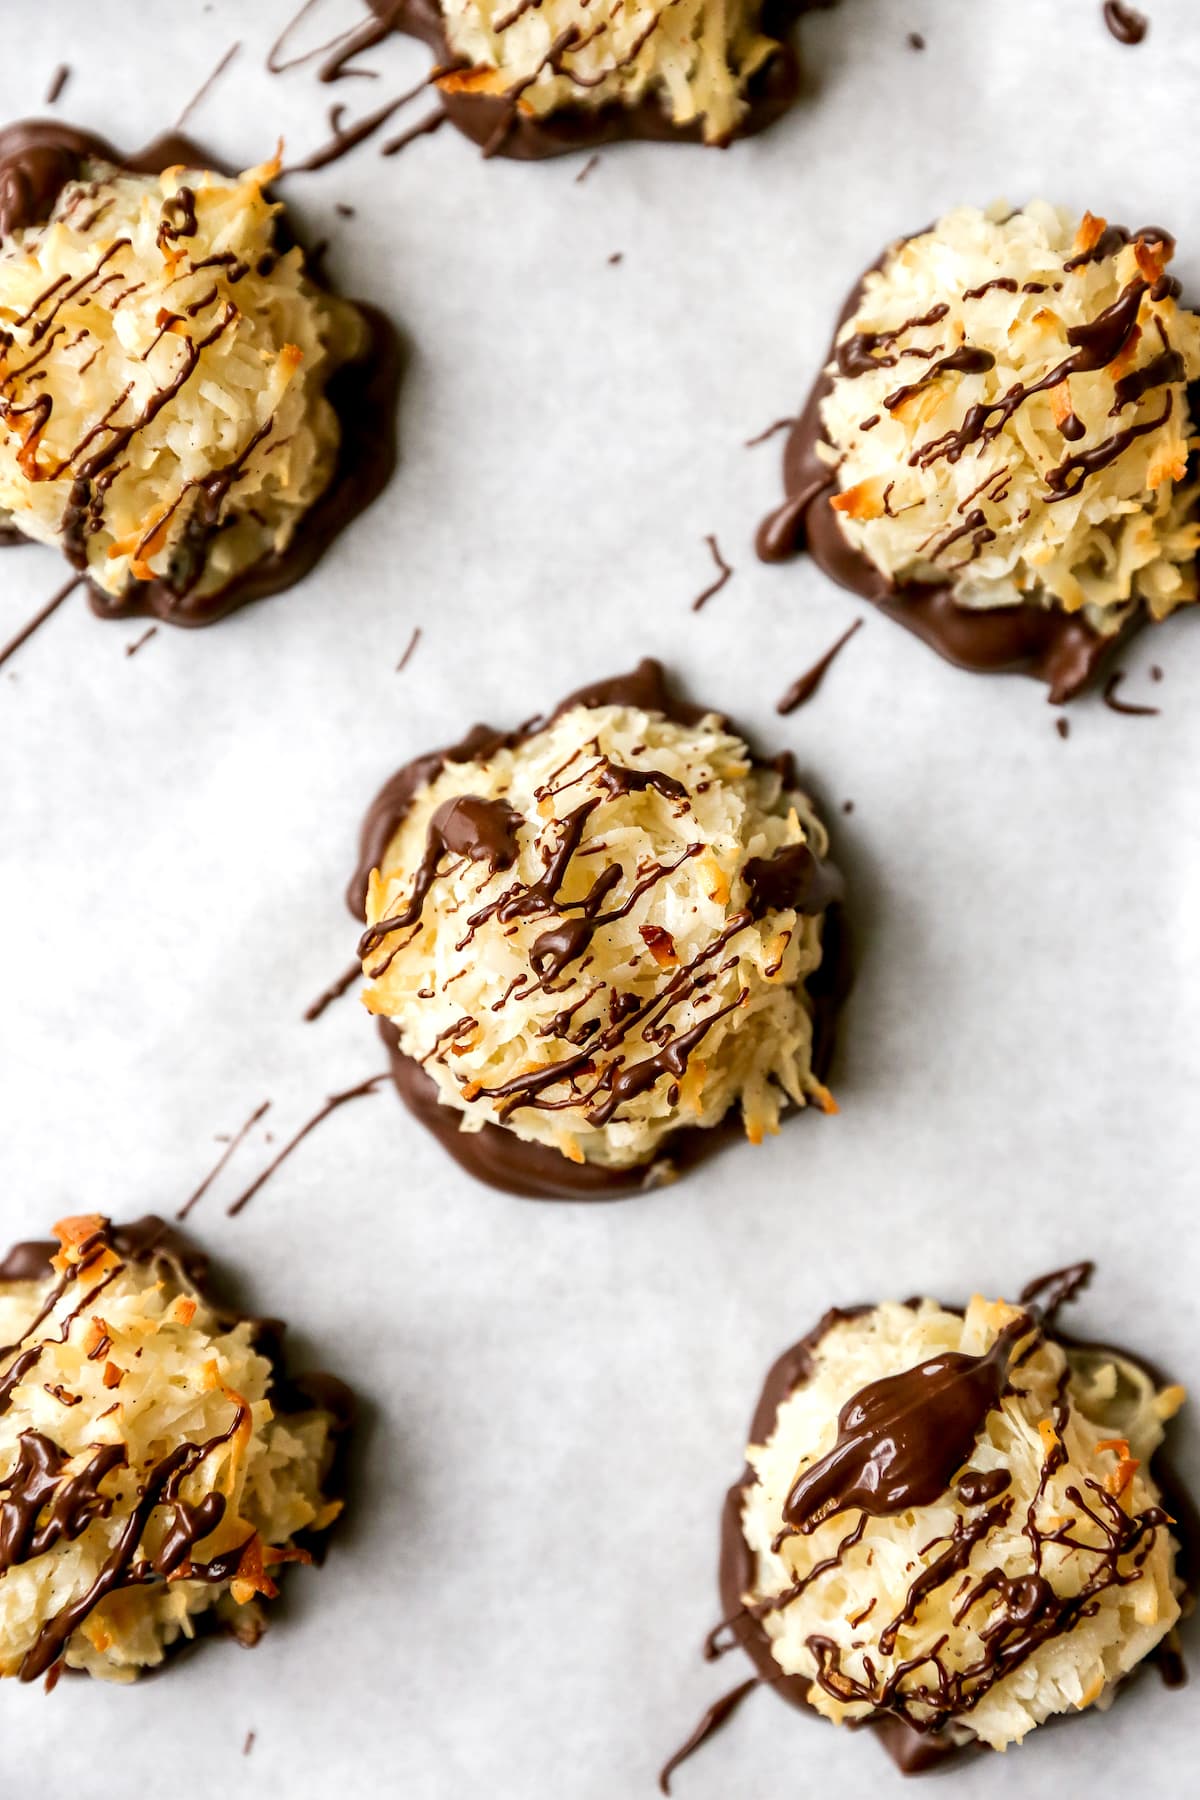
x=500 y=127
x=594 y=1045
x=37 y=159
x=41 y=1505
x=886 y=1428
x=1045 y=642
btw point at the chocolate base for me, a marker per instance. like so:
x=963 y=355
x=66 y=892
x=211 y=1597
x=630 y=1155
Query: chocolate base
x=1044 y=642
x=151 y=1239
x=37 y=159
x=913 y=1752
x=494 y=1154
x=500 y=128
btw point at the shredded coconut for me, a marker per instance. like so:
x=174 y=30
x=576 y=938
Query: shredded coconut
x=1111 y=1426
x=132 y=1365
x=694 y=56
x=1076 y=495
x=162 y=374
x=674 y=943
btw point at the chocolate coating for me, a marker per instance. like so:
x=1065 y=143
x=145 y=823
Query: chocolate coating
x=498 y=1156
x=1044 y=642
x=37 y=159
x=496 y=124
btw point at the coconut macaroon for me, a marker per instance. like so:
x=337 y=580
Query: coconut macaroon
x=597 y=931
x=155 y=1469
x=951 y=1526
x=163 y=367
x=1006 y=423
x=530 y=77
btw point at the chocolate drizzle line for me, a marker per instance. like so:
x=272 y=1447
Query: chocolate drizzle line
x=497 y=124
x=37 y=160
x=206 y=87
x=413 y=641
x=793 y=878
x=133 y=648
x=888 y=1428
x=1044 y=642
x=224 y=1157
x=1125 y=706
x=724 y=575
x=331 y=1106
x=806 y=685
x=58 y=82
x=42 y=1506
x=334 y=991
x=39 y=618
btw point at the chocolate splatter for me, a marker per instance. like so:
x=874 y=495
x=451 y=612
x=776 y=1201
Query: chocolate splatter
x=770 y=431
x=58 y=82
x=1126 y=25
x=1125 y=706
x=413 y=641
x=806 y=685
x=248 y=1746
x=716 y=586
x=331 y=1106
x=718 y=1713
x=915 y=41
x=587 y=168
x=334 y=991
x=1063 y=727
x=224 y=1157
x=206 y=87
x=133 y=648
x=26 y=632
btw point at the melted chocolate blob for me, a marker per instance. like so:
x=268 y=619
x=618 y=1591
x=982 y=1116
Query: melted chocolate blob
x=901 y=1439
x=1026 y=1601
x=39 y=1507
x=500 y=128
x=1044 y=642
x=37 y=159
x=1126 y=25
x=495 y=1155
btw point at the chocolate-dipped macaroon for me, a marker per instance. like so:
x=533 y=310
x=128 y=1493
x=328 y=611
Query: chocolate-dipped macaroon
x=951 y=1527
x=999 y=453
x=590 y=940
x=184 y=412
x=537 y=77
x=157 y=1466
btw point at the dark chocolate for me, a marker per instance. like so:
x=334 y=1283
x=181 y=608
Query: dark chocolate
x=496 y=123
x=1126 y=25
x=1044 y=642
x=40 y=1507
x=37 y=159
x=1029 y=1604
x=496 y=1155
x=806 y=685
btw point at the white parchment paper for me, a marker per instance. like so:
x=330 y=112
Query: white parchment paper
x=556 y=1396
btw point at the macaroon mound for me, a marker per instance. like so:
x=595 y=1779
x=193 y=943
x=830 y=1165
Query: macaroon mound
x=1005 y=430
x=951 y=1526
x=164 y=366
x=594 y=932
x=156 y=1467
x=531 y=80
